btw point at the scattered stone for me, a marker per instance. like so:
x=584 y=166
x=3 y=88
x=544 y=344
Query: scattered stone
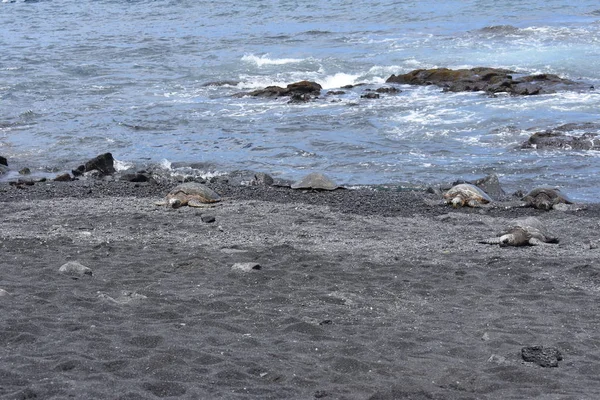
x=388 y=90
x=523 y=232
x=63 y=178
x=245 y=267
x=542 y=356
x=315 y=181
x=261 y=179
x=25 y=171
x=75 y=268
x=490 y=80
x=466 y=194
x=209 y=219
x=335 y=92
x=22 y=183
x=138 y=177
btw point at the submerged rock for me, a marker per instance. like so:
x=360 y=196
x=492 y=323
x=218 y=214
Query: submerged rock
x=490 y=80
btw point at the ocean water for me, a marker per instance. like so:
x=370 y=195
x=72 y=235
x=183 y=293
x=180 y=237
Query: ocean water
x=81 y=78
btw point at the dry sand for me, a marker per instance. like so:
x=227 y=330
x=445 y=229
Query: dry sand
x=359 y=295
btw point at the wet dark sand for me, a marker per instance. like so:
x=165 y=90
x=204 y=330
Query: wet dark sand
x=360 y=295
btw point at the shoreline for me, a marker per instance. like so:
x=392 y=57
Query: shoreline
x=360 y=295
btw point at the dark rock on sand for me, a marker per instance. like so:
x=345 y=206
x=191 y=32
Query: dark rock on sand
x=209 y=219
x=562 y=137
x=137 y=177
x=104 y=163
x=542 y=356
x=63 y=178
x=491 y=185
x=490 y=80
x=293 y=89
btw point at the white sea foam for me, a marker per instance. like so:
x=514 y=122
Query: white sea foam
x=266 y=60
x=122 y=165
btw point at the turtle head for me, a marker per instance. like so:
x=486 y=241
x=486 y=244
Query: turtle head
x=175 y=202
x=458 y=201
x=507 y=240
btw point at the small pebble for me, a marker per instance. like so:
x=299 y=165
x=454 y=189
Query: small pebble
x=74 y=268
x=209 y=219
x=3 y=293
x=245 y=267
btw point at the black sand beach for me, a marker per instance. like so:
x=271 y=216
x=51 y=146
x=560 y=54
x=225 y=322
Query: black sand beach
x=360 y=295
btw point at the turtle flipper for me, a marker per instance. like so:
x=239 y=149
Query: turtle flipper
x=161 y=203
x=494 y=240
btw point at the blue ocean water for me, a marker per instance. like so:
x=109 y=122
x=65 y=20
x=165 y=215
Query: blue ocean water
x=81 y=78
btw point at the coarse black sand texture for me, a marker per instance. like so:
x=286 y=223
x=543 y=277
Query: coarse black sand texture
x=354 y=294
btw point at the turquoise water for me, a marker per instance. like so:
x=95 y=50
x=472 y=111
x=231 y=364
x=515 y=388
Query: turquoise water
x=81 y=78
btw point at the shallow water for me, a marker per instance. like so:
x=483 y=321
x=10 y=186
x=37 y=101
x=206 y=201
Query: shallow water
x=78 y=79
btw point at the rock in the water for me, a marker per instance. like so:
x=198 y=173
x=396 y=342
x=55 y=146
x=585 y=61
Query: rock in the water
x=490 y=80
x=75 y=268
x=246 y=267
x=3 y=161
x=298 y=90
x=565 y=137
x=104 y=163
x=542 y=356
x=25 y=171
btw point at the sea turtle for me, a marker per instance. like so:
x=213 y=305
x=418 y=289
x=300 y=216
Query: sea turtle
x=545 y=198
x=466 y=194
x=522 y=232
x=315 y=181
x=191 y=194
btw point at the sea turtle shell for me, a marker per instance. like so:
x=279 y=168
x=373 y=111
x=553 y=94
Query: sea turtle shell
x=466 y=194
x=546 y=198
x=315 y=181
x=193 y=194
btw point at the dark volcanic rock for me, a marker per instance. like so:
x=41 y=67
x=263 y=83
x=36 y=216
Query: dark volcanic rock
x=542 y=356
x=370 y=95
x=490 y=80
x=104 y=163
x=559 y=139
x=298 y=89
x=3 y=161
